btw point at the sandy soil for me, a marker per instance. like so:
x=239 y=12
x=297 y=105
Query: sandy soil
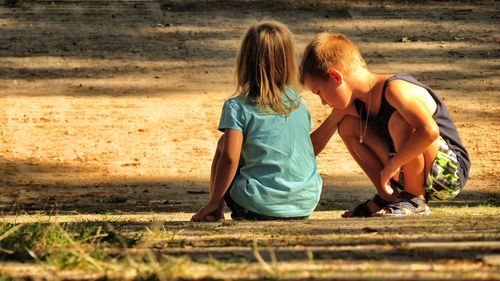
x=114 y=105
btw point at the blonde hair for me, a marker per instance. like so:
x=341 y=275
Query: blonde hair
x=266 y=65
x=329 y=50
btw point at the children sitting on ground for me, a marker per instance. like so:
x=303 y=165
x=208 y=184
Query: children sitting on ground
x=264 y=167
x=396 y=128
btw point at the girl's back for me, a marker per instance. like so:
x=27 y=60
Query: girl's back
x=278 y=176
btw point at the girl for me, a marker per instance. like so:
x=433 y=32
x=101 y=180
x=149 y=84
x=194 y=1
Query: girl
x=264 y=167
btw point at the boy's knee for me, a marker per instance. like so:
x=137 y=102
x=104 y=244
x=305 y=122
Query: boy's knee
x=347 y=127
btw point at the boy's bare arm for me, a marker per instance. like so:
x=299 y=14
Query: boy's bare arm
x=416 y=111
x=322 y=135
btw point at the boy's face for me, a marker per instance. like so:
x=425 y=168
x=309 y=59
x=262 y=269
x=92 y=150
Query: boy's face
x=330 y=91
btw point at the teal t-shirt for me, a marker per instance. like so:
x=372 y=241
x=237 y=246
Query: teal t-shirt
x=279 y=176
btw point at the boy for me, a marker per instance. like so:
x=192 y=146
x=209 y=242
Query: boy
x=397 y=129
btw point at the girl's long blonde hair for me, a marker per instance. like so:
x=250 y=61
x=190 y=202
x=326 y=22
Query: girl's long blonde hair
x=266 y=65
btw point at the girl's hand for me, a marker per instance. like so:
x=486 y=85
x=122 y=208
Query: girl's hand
x=385 y=176
x=210 y=213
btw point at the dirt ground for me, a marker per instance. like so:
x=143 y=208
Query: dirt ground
x=113 y=106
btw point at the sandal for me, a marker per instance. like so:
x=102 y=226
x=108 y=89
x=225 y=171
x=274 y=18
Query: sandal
x=362 y=210
x=407 y=204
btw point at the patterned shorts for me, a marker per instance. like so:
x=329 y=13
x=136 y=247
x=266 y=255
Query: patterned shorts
x=443 y=181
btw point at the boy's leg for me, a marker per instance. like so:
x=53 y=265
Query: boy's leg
x=371 y=155
x=416 y=171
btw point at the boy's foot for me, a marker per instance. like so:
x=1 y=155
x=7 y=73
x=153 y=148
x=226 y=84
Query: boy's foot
x=406 y=204
x=367 y=209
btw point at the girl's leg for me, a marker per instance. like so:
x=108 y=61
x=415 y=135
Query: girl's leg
x=371 y=155
x=417 y=170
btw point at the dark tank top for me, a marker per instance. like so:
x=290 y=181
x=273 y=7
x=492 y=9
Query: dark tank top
x=447 y=129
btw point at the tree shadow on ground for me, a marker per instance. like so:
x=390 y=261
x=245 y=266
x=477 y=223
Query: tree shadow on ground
x=374 y=240
x=24 y=188
x=193 y=31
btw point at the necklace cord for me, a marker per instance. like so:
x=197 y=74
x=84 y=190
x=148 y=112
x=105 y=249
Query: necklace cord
x=361 y=132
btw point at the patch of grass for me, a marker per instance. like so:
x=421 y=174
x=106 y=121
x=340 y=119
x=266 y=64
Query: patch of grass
x=487 y=209
x=90 y=247
x=8 y=278
x=205 y=227
x=158 y=230
x=480 y=206
x=19 y=241
x=141 y=251
x=57 y=244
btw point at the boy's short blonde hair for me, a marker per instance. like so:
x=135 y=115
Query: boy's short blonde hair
x=329 y=50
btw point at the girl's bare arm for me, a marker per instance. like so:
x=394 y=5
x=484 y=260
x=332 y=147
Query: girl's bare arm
x=226 y=168
x=227 y=164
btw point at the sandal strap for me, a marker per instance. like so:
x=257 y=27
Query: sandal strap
x=362 y=210
x=397 y=184
x=381 y=203
x=406 y=195
x=419 y=201
x=411 y=204
x=402 y=207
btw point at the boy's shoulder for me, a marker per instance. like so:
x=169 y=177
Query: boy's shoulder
x=403 y=82
x=400 y=88
x=409 y=94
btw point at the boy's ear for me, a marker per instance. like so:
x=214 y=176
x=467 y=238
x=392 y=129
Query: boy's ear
x=336 y=74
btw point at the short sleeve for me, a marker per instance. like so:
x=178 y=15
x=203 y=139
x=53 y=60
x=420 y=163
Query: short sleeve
x=309 y=117
x=232 y=116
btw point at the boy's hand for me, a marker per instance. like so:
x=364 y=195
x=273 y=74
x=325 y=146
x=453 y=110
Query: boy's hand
x=210 y=213
x=385 y=176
